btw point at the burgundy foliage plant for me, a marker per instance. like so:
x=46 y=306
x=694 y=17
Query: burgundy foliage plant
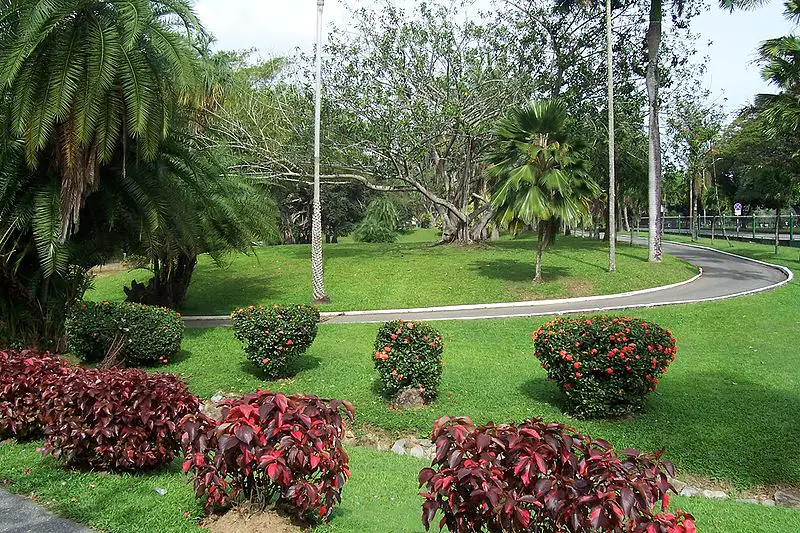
x=24 y=376
x=269 y=449
x=115 y=419
x=543 y=477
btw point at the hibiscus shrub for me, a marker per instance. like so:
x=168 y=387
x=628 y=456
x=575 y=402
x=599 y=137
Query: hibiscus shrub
x=122 y=420
x=409 y=355
x=145 y=334
x=23 y=377
x=276 y=335
x=269 y=448
x=543 y=477
x=605 y=365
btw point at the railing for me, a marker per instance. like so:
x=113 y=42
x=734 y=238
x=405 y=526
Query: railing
x=751 y=227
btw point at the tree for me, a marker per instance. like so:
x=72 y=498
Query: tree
x=539 y=174
x=317 y=274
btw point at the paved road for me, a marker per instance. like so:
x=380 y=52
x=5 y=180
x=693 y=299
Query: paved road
x=724 y=276
x=20 y=515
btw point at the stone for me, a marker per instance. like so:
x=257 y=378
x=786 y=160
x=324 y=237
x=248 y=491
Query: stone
x=714 y=494
x=768 y=503
x=689 y=491
x=399 y=447
x=217 y=397
x=417 y=451
x=426 y=443
x=678 y=484
x=410 y=398
x=160 y=491
x=749 y=501
x=786 y=499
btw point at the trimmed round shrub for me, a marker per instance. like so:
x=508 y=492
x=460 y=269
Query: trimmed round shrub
x=23 y=378
x=270 y=449
x=409 y=355
x=145 y=334
x=276 y=335
x=606 y=366
x=118 y=420
x=543 y=477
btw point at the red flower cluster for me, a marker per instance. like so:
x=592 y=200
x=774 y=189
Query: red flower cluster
x=270 y=448
x=543 y=477
x=606 y=365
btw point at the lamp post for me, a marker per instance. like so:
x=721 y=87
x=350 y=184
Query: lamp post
x=317 y=275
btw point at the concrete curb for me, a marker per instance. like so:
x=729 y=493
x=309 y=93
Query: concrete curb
x=223 y=320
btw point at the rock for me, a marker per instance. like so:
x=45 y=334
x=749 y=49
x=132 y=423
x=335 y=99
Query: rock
x=160 y=491
x=768 y=503
x=678 y=484
x=399 y=447
x=217 y=397
x=689 y=491
x=749 y=501
x=786 y=499
x=714 y=494
x=410 y=398
x=417 y=451
x=426 y=443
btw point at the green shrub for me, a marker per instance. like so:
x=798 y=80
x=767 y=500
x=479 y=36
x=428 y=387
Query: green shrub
x=145 y=334
x=276 y=335
x=409 y=355
x=606 y=366
x=381 y=222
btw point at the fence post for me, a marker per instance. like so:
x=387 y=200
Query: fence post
x=791 y=227
x=754 y=226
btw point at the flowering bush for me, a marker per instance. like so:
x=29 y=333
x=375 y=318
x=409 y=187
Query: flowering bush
x=605 y=365
x=409 y=354
x=543 y=477
x=268 y=447
x=115 y=419
x=274 y=336
x=143 y=334
x=23 y=377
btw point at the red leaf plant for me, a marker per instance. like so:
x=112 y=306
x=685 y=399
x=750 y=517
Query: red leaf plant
x=269 y=448
x=115 y=419
x=543 y=477
x=23 y=377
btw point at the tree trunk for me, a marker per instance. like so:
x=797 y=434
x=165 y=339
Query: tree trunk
x=540 y=244
x=654 y=167
x=317 y=275
x=777 y=228
x=169 y=285
x=612 y=187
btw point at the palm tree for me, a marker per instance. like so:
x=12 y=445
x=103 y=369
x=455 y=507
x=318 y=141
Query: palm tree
x=612 y=185
x=538 y=175
x=84 y=79
x=318 y=277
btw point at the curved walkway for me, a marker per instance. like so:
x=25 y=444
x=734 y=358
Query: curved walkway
x=722 y=275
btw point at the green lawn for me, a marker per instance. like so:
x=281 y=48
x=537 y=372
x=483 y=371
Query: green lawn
x=381 y=497
x=727 y=410
x=411 y=274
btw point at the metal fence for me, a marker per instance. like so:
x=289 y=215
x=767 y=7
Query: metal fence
x=751 y=227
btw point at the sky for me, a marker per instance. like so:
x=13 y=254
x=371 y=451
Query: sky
x=276 y=27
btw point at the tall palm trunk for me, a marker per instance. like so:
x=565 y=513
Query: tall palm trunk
x=540 y=244
x=654 y=170
x=317 y=275
x=777 y=228
x=612 y=202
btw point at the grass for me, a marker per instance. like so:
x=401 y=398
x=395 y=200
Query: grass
x=727 y=410
x=410 y=274
x=381 y=496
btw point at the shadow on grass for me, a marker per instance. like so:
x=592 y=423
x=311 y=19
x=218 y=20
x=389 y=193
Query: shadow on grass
x=540 y=390
x=303 y=363
x=218 y=292
x=511 y=270
x=741 y=431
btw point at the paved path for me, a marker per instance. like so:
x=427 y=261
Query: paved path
x=20 y=515
x=723 y=276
